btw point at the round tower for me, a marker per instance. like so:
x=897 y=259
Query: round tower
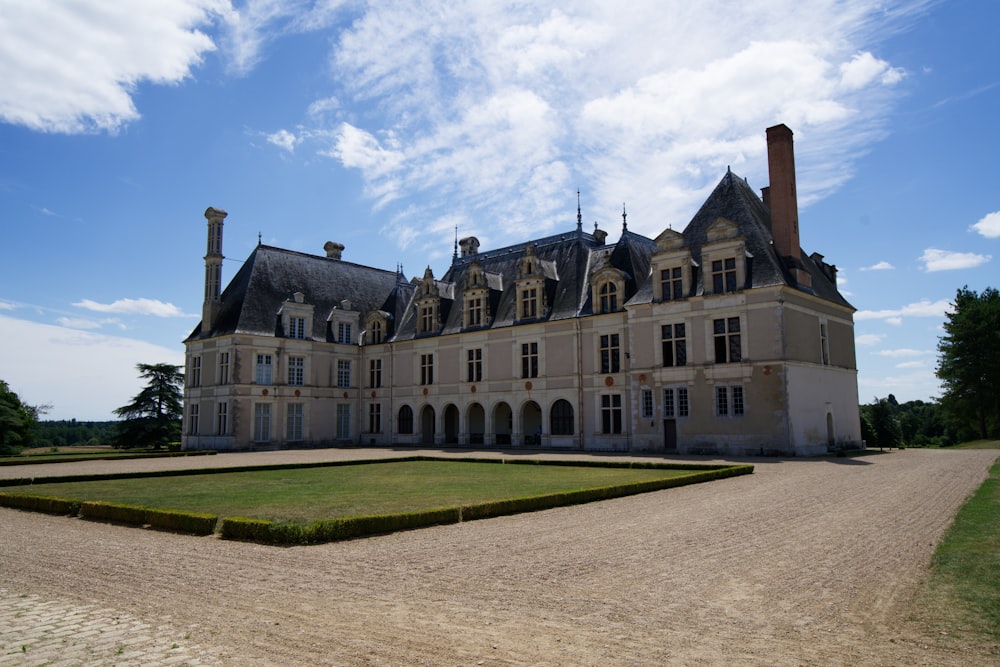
x=213 y=269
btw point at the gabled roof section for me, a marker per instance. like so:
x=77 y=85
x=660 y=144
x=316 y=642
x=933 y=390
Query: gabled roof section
x=270 y=276
x=733 y=200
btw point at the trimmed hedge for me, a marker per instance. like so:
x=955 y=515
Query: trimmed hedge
x=176 y=521
x=46 y=504
x=114 y=512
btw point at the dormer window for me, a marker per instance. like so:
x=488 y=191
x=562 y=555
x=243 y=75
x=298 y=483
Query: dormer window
x=428 y=311
x=609 y=297
x=724 y=275
x=297 y=328
x=672 y=283
x=376 y=332
x=376 y=327
x=529 y=303
x=476 y=297
x=296 y=317
x=607 y=288
x=344 y=333
x=428 y=304
x=474 y=311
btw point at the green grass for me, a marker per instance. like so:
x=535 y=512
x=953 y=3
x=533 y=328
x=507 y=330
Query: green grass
x=978 y=444
x=308 y=494
x=963 y=593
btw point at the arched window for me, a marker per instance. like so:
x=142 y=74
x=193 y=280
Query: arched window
x=405 y=420
x=561 y=418
x=609 y=297
x=376 y=336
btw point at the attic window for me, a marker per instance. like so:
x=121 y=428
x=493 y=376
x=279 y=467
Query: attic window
x=609 y=297
x=724 y=275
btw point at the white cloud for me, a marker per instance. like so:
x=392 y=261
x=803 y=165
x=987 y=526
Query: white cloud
x=989 y=225
x=73 y=66
x=653 y=103
x=81 y=374
x=912 y=364
x=879 y=266
x=284 y=139
x=946 y=260
x=134 y=307
x=903 y=352
x=869 y=339
x=922 y=308
x=88 y=324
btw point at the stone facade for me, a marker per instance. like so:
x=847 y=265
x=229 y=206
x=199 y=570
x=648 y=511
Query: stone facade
x=724 y=338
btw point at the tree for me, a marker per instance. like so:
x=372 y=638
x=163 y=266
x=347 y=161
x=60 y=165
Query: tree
x=153 y=418
x=17 y=421
x=883 y=422
x=969 y=363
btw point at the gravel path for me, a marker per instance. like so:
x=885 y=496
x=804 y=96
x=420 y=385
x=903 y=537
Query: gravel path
x=805 y=562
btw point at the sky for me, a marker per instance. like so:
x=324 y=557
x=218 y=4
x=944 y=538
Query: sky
x=387 y=125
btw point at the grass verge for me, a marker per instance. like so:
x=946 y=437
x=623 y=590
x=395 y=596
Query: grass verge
x=962 y=596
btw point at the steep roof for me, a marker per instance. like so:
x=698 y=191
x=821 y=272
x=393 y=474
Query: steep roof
x=734 y=200
x=270 y=276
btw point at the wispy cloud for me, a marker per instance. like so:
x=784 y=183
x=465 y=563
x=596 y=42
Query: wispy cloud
x=935 y=259
x=73 y=66
x=904 y=352
x=869 y=339
x=879 y=266
x=923 y=308
x=473 y=108
x=88 y=324
x=134 y=307
x=989 y=225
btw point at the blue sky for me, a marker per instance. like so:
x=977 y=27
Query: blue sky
x=385 y=125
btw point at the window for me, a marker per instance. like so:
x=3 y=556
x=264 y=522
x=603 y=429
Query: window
x=405 y=425
x=297 y=327
x=724 y=275
x=647 y=403
x=295 y=418
x=193 y=419
x=609 y=297
x=824 y=344
x=343 y=421
x=611 y=413
x=223 y=368
x=610 y=354
x=529 y=360
x=561 y=418
x=296 y=370
x=675 y=402
x=529 y=302
x=195 y=371
x=727 y=340
x=222 y=418
x=729 y=401
x=674 y=342
x=262 y=374
x=374 y=417
x=344 y=333
x=427 y=318
x=343 y=373
x=262 y=422
x=475 y=365
x=376 y=332
x=474 y=312
x=672 y=284
x=426 y=369
x=375 y=373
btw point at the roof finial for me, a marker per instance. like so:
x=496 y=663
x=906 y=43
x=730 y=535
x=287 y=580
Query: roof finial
x=624 y=218
x=258 y=238
x=579 y=214
x=455 y=254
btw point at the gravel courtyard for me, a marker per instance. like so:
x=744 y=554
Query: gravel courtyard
x=805 y=562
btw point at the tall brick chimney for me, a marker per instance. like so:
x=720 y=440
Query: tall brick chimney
x=783 y=201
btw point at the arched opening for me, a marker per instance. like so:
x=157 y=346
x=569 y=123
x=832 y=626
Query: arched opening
x=531 y=424
x=476 y=422
x=450 y=424
x=503 y=424
x=404 y=424
x=427 y=425
x=830 y=437
x=561 y=418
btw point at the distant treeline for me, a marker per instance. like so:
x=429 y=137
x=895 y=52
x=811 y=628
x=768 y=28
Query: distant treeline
x=887 y=423
x=69 y=433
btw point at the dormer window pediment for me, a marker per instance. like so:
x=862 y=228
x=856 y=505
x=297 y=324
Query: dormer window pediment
x=607 y=290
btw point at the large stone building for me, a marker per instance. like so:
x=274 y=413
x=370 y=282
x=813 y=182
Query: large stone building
x=723 y=338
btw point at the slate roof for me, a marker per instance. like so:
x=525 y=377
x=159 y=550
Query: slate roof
x=270 y=276
x=735 y=200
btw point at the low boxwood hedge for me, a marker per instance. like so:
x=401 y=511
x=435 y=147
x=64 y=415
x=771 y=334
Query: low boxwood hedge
x=46 y=504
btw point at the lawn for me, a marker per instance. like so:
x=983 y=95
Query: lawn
x=962 y=595
x=308 y=494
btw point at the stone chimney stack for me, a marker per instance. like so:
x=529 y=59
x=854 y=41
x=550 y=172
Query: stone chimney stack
x=469 y=246
x=783 y=202
x=213 y=269
x=333 y=249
